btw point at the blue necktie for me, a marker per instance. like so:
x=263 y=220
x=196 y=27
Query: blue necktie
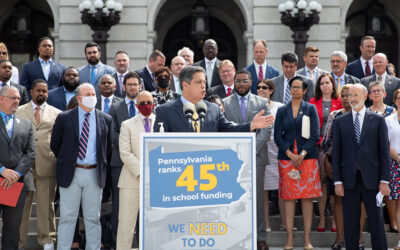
x=9 y=124
x=132 y=111
x=84 y=139
x=357 y=129
x=93 y=75
x=3 y=84
x=106 y=104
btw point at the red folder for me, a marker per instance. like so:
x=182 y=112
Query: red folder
x=10 y=196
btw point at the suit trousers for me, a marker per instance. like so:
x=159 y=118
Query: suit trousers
x=352 y=212
x=84 y=190
x=260 y=174
x=128 y=211
x=46 y=224
x=115 y=173
x=12 y=217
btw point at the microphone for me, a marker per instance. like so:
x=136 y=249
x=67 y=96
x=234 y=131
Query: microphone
x=188 y=110
x=201 y=109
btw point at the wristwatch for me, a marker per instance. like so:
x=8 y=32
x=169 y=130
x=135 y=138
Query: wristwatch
x=303 y=153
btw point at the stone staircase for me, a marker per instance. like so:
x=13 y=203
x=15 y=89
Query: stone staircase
x=276 y=239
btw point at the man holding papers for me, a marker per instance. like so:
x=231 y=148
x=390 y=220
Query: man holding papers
x=16 y=158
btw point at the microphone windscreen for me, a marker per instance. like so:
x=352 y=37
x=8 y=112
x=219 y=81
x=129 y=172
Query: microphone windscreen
x=188 y=109
x=201 y=107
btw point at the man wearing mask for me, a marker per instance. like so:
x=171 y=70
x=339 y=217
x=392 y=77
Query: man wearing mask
x=121 y=111
x=5 y=80
x=82 y=142
x=240 y=108
x=61 y=96
x=163 y=93
x=129 y=180
x=42 y=117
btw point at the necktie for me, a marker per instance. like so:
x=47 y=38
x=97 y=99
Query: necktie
x=243 y=108
x=106 y=104
x=84 y=139
x=357 y=129
x=3 y=84
x=93 y=75
x=153 y=82
x=37 y=115
x=367 y=69
x=288 y=95
x=338 y=85
x=312 y=75
x=146 y=125
x=121 y=83
x=260 y=73
x=132 y=111
x=195 y=123
x=229 y=92
x=8 y=124
x=380 y=79
x=209 y=73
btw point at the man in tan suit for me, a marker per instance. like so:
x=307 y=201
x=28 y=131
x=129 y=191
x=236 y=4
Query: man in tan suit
x=42 y=116
x=129 y=148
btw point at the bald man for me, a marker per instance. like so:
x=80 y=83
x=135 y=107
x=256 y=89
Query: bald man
x=177 y=64
x=82 y=142
x=391 y=83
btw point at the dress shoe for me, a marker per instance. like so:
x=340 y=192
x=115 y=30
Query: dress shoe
x=48 y=246
x=261 y=245
x=320 y=229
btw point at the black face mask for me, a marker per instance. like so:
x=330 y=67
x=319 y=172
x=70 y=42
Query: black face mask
x=70 y=86
x=163 y=82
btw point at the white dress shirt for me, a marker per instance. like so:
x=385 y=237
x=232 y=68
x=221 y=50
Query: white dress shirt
x=264 y=68
x=369 y=64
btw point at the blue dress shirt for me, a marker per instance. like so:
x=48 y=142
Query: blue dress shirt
x=4 y=117
x=91 y=155
x=45 y=67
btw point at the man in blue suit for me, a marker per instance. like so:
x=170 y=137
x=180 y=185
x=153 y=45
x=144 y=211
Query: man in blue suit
x=260 y=69
x=362 y=67
x=82 y=142
x=44 y=67
x=193 y=85
x=61 y=96
x=94 y=70
x=156 y=60
x=360 y=160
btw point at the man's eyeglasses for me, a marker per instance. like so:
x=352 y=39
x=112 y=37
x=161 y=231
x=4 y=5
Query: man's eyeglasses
x=13 y=98
x=238 y=81
x=3 y=53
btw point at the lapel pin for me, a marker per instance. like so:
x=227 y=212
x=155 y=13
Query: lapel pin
x=17 y=120
x=390 y=82
x=301 y=112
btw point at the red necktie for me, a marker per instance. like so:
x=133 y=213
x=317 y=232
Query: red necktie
x=260 y=74
x=229 y=92
x=367 y=69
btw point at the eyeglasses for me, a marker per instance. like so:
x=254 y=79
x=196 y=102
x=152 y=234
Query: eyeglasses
x=295 y=88
x=336 y=61
x=131 y=85
x=376 y=91
x=3 y=53
x=238 y=81
x=13 y=98
x=263 y=87
x=145 y=103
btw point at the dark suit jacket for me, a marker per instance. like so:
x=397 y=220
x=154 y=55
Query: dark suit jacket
x=18 y=152
x=147 y=80
x=33 y=70
x=119 y=113
x=287 y=129
x=371 y=155
x=219 y=91
x=114 y=100
x=118 y=90
x=22 y=92
x=65 y=142
x=391 y=84
x=57 y=98
x=216 y=80
x=356 y=69
x=271 y=72
x=173 y=119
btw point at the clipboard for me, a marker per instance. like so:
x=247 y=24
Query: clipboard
x=10 y=196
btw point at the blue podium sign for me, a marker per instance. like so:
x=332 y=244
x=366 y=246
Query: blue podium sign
x=197 y=191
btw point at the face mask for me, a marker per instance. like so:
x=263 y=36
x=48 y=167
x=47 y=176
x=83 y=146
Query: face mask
x=146 y=109
x=89 y=101
x=163 y=83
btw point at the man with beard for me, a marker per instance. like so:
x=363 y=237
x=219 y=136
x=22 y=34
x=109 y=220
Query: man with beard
x=241 y=107
x=94 y=70
x=17 y=155
x=5 y=76
x=61 y=96
x=338 y=65
x=121 y=63
x=44 y=67
x=361 y=167
x=107 y=88
x=42 y=117
x=121 y=111
x=210 y=63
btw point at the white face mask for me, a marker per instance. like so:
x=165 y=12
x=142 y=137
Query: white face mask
x=89 y=101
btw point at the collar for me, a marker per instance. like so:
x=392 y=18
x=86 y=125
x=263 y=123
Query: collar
x=308 y=69
x=383 y=75
x=66 y=91
x=7 y=83
x=123 y=74
x=82 y=112
x=184 y=100
x=150 y=117
x=43 y=61
x=336 y=77
x=41 y=106
x=128 y=100
x=213 y=60
x=97 y=65
x=110 y=97
x=284 y=77
x=258 y=65
x=147 y=67
x=246 y=97
x=4 y=115
x=362 y=112
x=226 y=87
x=363 y=62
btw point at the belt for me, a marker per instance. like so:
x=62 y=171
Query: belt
x=85 y=166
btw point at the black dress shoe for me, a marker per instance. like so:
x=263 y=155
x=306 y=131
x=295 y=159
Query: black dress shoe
x=261 y=245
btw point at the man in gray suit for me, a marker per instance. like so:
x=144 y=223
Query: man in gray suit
x=380 y=75
x=311 y=60
x=121 y=111
x=338 y=65
x=17 y=155
x=94 y=70
x=281 y=83
x=210 y=63
x=241 y=107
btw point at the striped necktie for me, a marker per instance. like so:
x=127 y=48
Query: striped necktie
x=357 y=129
x=260 y=73
x=288 y=96
x=84 y=139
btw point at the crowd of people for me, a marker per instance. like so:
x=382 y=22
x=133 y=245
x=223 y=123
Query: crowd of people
x=71 y=135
